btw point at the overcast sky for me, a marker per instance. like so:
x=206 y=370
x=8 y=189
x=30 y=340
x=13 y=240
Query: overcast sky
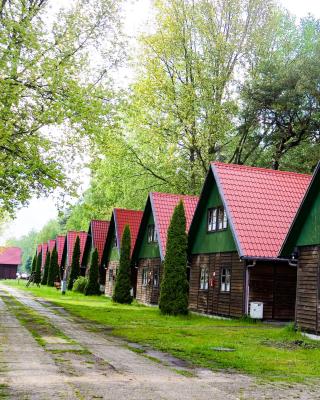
x=41 y=210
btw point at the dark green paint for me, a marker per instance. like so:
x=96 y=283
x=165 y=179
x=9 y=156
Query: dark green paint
x=310 y=231
x=214 y=242
x=148 y=250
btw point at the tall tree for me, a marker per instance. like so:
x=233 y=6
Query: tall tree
x=53 y=273
x=34 y=264
x=45 y=82
x=28 y=265
x=37 y=277
x=46 y=269
x=122 y=287
x=281 y=101
x=174 y=285
x=75 y=264
x=93 y=286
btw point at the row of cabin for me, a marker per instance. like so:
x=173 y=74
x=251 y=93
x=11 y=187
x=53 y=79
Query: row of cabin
x=254 y=236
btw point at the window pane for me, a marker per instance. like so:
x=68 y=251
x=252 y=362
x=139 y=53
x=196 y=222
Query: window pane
x=212 y=219
x=225 y=220
x=220 y=218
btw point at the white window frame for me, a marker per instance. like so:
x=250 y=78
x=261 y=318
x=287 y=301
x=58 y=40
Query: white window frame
x=144 y=276
x=216 y=219
x=152 y=234
x=225 y=280
x=156 y=277
x=204 y=278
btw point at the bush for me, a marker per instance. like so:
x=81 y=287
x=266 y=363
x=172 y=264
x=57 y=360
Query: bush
x=174 y=285
x=122 y=288
x=46 y=269
x=53 y=272
x=80 y=284
x=37 y=276
x=93 y=286
x=75 y=264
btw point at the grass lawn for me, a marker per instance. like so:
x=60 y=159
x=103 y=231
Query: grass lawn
x=261 y=350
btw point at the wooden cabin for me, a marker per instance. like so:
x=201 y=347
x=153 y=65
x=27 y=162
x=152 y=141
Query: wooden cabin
x=238 y=228
x=111 y=254
x=67 y=252
x=302 y=246
x=51 y=245
x=10 y=260
x=96 y=239
x=150 y=249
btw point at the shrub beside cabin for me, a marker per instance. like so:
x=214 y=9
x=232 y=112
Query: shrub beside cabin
x=96 y=238
x=10 y=260
x=111 y=254
x=240 y=223
x=150 y=249
x=303 y=243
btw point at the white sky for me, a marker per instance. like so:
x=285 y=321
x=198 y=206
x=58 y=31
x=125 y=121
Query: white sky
x=138 y=14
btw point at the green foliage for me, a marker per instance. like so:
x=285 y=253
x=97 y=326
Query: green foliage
x=44 y=279
x=174 y=285
x=75 y=264
x=28 y=265
x=53 y=273
x=37 y=278
x=80 y=284
x=93 y=286
x=34 y=264
x=121 y=293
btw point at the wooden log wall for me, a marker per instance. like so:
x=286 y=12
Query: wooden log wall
x=148 y=294
x=308 y=291
x=213 y=301
x=109 y=285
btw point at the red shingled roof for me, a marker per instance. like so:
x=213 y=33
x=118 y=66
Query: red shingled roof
x=163 y=205
x=60 y=239
x=39 y=248
x=71 y=239
x=10 y=255
x=51 y=244
x=44 y=254
x=99 y=231
x=261 y=204
x=125 y=217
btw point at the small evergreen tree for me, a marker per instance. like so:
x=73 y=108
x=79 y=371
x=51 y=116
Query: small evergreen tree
x=93 y=286
x=46 y=269
x=122 y=287
x=75 y=264
x=28 y=265
x=174 y=285
x=34 y=264
x=53 y=272
x=37 y=276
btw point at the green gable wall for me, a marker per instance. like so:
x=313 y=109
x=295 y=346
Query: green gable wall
x=310 y=231
x=214 y=242
x=148 y=250
x=112 y=251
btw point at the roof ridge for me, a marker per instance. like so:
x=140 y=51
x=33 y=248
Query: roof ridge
x=269 y=170
x=175 y=194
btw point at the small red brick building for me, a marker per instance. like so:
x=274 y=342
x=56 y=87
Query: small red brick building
x=10 y=260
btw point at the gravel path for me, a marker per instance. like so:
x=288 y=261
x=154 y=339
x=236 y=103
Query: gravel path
x=99 y=366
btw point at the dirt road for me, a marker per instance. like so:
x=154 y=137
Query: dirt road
x=75 y=363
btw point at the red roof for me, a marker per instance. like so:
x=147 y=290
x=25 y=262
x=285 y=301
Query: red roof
x=99 y=231
x=51 y=244
x=39 y=248
x=10 y=255
x=163 y=205
x=71 y=239
x=44 y=254
x=260 y=204
x=125 y=217
x=60 y=239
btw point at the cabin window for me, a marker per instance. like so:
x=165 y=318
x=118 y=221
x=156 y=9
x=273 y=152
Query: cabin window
x=217 y=219
x=152 y=234
x=225 y=279
x=110 y=275
x=156 y=274
x=115 y=243
x=204 y=278
x=144 y=276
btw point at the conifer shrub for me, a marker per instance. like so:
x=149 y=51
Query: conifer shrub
x=80 y=284
x=75 y=264
x=93 y=286
x=44 y=279
x=37 y=275
x=122 y=287
x=34 y=264
x=174 y=285
x=53 y=273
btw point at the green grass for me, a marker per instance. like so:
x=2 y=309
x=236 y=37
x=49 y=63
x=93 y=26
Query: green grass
x=271 y=353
